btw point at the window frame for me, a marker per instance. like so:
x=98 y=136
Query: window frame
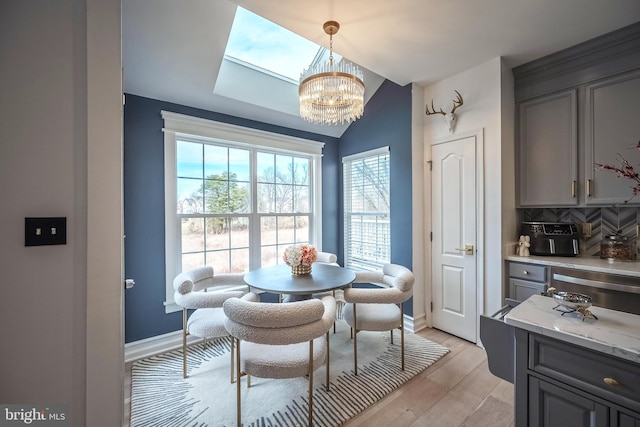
x=385 y=150
x=196 y=129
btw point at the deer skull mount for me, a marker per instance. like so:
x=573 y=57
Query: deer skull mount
x=450 y=117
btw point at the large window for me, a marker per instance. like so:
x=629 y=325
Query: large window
x=367 y=239
x=235 y=197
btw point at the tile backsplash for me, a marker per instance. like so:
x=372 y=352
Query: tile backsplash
x=604 y=221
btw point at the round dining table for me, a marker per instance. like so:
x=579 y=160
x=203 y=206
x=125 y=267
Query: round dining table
x=278 y=279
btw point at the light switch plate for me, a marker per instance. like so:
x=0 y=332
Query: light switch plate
x=45 y=231
x=585 y=229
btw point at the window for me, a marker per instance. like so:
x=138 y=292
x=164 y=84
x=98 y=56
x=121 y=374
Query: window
x=367 y=238
x=235 y=197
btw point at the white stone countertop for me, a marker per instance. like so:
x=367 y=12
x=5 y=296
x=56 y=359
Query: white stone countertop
x=614 y=332
x=625 y=268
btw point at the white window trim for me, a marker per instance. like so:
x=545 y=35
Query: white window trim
x=351 y=158
x=196 y=128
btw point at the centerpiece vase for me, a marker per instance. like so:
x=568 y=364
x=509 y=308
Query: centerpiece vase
x=301 y=270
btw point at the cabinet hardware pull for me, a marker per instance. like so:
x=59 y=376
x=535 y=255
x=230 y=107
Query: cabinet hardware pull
x=588 y=188
x=573 y=188
x=525 y=272
x=610 y=381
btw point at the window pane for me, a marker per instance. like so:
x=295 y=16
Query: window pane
x=217 y=233
x=266 y=167
x=188 y=159
x=284 y=198
x=266 y=198
x=284 y=168
x=219 y=260
x=268 y=227
x=239 y=197
x=239 y=260
x=301 y=171
x=239 y=232
x=239 y=164
x=192 y=234
x=286 y=230
x=190 y=261
x=301 y=199
x=216 y=196
x=268 y=256
x=216 y=163
x=189 y=195
x=302 y=229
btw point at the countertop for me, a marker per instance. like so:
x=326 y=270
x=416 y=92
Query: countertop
x=625 y=268
x=614 y=332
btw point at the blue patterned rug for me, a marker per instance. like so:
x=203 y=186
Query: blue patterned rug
x=161 y=397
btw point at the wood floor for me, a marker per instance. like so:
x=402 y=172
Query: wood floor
x=457 y=390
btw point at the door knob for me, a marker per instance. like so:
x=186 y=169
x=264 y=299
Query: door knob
x=468 y=249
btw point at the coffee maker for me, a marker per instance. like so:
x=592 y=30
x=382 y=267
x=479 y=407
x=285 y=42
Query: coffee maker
x=552 y=238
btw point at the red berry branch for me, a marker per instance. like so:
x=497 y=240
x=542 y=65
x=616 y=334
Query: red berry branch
x=625 y=170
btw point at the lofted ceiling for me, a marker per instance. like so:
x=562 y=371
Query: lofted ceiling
x=173 y=50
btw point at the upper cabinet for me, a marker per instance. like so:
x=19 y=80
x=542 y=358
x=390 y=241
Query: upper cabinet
x=612 y=132
x=548 y=150
x=576 y=108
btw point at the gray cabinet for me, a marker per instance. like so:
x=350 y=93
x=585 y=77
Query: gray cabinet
x=526 y=280
x=548 y=150
x=561 y=384
x=612 y=129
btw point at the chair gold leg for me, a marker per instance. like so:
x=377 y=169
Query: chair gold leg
x=391 y=331
x=238 y=391
x=310 y=383
x=355 y=340
x=402 y=332
x=184 y=343
x=232 y=358
x=328 y=360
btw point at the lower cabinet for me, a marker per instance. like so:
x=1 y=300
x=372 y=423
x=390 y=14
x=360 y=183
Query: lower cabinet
x=564 y=385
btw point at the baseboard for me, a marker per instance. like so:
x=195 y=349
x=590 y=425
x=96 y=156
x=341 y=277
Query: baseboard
x=414 y=325
x=152 y=346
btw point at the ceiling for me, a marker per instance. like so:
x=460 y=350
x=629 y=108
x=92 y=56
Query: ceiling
x=173 y=50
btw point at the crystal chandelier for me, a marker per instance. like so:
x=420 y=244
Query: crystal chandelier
x=331 y=93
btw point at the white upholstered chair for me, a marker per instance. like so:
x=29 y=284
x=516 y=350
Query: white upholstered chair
x=327 y=258
x=196 y=289
x=280 y=340
x=380 y=308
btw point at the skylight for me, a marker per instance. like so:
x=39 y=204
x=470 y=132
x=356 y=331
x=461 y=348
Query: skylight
x=267 y=46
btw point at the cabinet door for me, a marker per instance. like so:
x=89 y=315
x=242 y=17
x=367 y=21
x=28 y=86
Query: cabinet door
x=520 y=290
x=552 y=406
x=612 y=120
x=548 y=151
x=628 y=420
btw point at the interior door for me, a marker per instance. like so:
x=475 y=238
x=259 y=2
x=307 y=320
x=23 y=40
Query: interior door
x=453 y=215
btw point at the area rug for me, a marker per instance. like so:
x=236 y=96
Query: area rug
x=161 y=397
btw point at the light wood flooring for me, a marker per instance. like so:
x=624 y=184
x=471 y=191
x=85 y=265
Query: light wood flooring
x=457 y=390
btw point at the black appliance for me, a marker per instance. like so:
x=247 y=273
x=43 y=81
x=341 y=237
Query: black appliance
x=551 y=238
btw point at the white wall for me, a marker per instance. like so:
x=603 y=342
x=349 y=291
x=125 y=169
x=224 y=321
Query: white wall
x=482 y=89
x=43 y=172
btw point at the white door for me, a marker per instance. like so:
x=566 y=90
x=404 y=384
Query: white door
x=453 y=216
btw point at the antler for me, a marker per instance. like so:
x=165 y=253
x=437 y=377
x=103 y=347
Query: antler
x=457 y=102
x=434 y=110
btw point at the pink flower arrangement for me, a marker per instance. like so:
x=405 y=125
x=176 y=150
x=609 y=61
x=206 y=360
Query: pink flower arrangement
x=300 y=255
x=625 y=170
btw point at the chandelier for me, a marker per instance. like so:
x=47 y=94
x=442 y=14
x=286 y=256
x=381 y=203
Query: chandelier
x=331 y=93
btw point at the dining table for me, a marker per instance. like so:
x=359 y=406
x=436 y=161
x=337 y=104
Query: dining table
x=279 y=279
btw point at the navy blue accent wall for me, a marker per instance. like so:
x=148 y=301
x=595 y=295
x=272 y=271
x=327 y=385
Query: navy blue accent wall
x=387 y=121
x=144 y=208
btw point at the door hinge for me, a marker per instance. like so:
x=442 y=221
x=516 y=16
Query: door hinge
x=431 y=236
x=431 y=308
x=430 y=164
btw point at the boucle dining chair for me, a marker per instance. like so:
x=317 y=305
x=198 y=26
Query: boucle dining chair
x=196 y=290
x=331 y=259
x=379 y=308
x=280 y=340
